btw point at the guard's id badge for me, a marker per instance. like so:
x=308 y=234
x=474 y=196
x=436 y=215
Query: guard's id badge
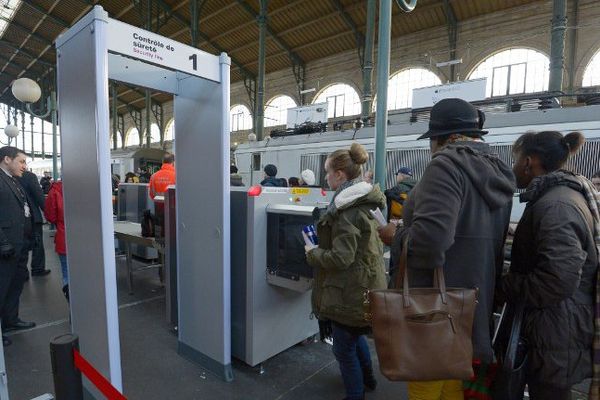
x=27 y=210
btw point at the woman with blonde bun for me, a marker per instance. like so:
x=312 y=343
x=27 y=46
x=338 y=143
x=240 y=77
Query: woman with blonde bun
x=348 y=262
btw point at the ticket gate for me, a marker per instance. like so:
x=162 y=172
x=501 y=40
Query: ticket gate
x=270 y=280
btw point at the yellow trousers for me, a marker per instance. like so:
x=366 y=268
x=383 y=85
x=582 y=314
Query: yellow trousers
x=435 y=390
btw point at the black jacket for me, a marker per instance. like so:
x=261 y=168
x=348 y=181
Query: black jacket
x=457 y=217
x=272 y=181
x=35 y=195
x=395 y=193
x=12 y=216
x=553 y=271
x=45 y=183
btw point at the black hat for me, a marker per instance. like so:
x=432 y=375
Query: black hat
x=454 y=116
x=270 y=170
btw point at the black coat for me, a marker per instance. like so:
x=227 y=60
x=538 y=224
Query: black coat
x=12 y=216
x=553 y=271
x=35 y=196
x=272 y=181
x=457 y=217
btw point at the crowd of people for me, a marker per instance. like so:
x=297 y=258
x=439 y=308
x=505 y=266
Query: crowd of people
x=457 y=217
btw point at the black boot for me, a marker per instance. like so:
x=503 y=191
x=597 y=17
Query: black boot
x=369 y=379
x=65 y=290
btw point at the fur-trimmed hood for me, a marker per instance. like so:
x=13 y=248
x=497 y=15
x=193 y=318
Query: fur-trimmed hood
x=358 y=194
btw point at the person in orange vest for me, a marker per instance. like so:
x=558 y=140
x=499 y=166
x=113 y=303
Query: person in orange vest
x=161 y=179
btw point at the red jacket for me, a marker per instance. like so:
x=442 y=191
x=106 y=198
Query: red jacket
x=55 y=213
x=161 y=180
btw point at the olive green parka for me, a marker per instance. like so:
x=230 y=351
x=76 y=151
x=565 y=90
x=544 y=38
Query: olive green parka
x=349 y=259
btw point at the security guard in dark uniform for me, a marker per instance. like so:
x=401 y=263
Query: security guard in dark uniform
x=35 y=198
x=15 y=232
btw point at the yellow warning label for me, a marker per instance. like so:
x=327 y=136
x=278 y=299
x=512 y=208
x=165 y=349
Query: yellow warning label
x=300 y=191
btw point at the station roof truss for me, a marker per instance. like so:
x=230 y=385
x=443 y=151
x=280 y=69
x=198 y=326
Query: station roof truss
x=298 y=32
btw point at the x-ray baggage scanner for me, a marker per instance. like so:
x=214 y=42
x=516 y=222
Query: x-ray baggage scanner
x=271 y=282
x=96 y=49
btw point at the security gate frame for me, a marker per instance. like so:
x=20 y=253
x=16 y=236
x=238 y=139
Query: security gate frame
x=93 y=51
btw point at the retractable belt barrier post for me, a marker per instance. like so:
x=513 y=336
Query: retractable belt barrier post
x=68 y=365
x=67 y=378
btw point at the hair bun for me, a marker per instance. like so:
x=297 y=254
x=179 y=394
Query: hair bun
x=358 y=154
x=573 y=141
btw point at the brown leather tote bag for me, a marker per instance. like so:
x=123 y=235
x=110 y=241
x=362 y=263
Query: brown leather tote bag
x=423 y=334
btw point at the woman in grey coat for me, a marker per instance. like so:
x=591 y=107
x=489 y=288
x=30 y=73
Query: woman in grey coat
x=554 y=265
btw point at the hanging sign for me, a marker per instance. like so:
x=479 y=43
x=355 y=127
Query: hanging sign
x=156 y=49
x=472 y=90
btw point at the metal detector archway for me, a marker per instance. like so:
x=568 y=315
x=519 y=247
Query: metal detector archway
x=94 y=50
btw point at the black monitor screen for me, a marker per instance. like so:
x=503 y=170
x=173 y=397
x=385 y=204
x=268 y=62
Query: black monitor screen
x=285 y=246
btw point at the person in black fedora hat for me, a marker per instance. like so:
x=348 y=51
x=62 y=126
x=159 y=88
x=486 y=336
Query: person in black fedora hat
x=456 y=218
x=451 y=116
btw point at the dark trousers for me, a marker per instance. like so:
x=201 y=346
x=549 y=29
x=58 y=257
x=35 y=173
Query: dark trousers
x=38 y=255
x=354 y=359
x=538 y=391
x=12 y=279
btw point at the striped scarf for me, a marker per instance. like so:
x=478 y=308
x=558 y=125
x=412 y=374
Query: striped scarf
x=593 y=200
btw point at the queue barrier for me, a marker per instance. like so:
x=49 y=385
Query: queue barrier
x=68 y=365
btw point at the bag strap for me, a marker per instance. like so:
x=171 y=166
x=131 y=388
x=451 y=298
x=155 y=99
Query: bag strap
x=439 y=280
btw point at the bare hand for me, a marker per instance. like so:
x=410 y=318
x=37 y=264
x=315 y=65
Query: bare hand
x=309 y=247
x=386 y=233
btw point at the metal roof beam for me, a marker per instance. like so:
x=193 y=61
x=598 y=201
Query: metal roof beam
x=25 y=53
x=360 y=38
x=25 y=30
x=39 y=9
x=247 y=24
x=177 y=16
x=294 y=57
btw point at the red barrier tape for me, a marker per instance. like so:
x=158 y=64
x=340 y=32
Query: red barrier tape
x=96 y=378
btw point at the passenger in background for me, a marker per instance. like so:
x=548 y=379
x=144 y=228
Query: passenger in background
x=35 y=196
x=55 y=214
x=45 y=182
x=163 y=178
x=307 y=178
x=15 y=234
x=144 y=174
x=270 y=178
x=596 y=180
x=554 y=265
x=235 y=179
x=457 y=218
x=368 y=177
x=130 y=177
x=294 y=182
x=348 y=261
x=284 y=182
x=397 y=195
x=116 y=179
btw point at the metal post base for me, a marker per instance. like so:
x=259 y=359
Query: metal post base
x=222 y=371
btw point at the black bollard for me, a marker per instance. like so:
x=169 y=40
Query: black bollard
x=67 y=378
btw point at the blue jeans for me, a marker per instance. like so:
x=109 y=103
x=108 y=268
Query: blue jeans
x=64 y=268
x=352 y=354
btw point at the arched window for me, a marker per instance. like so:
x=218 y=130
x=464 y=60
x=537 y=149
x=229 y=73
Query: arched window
x=119 y=140
x=402 y=83
x=170 y=130
x=132 y=138
x=341 y=99
x=154 y=133
x=276 y=110
x=591 y=75
x=241 y=118
x=514 y=71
